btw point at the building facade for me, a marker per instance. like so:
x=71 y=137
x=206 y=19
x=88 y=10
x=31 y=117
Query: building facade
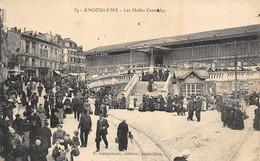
x=40 y=54
x=3 y=47
x=73 y=57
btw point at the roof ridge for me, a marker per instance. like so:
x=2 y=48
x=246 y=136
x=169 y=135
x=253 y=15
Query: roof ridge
x=200 y=35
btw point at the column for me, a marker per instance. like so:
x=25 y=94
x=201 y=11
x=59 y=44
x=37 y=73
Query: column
x=152 y=60
x=192 y=55
x=219 y=63
x=131 y=57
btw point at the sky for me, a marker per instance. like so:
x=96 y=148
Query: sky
x=93 y=29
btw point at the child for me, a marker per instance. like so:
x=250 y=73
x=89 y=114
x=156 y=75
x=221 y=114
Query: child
x=75 y=139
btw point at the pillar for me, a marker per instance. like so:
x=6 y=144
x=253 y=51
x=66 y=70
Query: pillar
x=152 y=60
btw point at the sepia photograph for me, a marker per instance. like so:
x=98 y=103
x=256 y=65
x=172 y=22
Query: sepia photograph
x=118 y=80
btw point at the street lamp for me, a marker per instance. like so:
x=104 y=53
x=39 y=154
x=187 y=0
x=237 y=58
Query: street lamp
x=235 y=71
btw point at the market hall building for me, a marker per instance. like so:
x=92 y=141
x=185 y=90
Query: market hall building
x=215 y=49
x=218 y=49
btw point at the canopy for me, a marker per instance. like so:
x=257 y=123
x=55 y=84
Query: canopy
x=57 y=72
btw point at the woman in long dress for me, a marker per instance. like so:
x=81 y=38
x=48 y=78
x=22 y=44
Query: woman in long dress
x=204 y=104
x=41 y=113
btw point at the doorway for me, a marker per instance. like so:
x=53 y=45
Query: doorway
x=158 y=60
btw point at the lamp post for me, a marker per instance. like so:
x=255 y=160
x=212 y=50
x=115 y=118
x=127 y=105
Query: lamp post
x=235 y=50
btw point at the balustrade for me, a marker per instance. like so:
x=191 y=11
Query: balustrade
x=229 y=76
x=129 y=87
x=110 y=80
x=166 y=86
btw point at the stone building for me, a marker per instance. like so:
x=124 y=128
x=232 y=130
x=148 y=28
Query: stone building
x=40 y=53
x=74 y=59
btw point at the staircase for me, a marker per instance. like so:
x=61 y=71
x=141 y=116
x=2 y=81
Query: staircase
x=136 y=89
x=141 y=88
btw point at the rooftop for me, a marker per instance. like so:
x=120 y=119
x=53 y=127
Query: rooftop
x=182 y=74
x=245 y=30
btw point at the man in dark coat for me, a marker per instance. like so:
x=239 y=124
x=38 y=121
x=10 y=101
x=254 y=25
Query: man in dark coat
x=155 y=75
x=85 y=125
x=143 y=78
x=34 y=128
x=198 y=108
x=4 y=131
x=169 y=106
x=46 y=107
x=80 y=108
x=8 y=111
x=75 y=102
x=34 y=100
x=190 y=108
x=238 y=121
x=160 y=74
x=256 y=124
x=123 y=102
x=98 y=103
x=51 y=99
x=151 y=104
x=40 y=88
x=37 y=151
x=20 y=152
x=144 y=103
x=45 y=134
x=18 y=125
x=150 y=86
x=102 y=125
x=23 y=98
x=161 y=103
x=29 y=90
x=122 y=132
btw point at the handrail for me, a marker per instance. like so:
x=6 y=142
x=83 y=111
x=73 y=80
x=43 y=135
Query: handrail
x=110 y=81
x=109 y=76
x=129 y=87
x=166 y=86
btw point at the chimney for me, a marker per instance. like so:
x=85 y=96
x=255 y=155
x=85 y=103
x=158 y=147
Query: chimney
x=24 y=29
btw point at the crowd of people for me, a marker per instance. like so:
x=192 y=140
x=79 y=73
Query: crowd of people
x=156 y=75
x=47 y=101
x=29 y=136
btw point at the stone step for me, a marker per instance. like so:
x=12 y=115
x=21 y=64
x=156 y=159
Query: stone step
x=141 y=87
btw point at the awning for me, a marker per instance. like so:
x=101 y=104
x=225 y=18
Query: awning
x=57 y=72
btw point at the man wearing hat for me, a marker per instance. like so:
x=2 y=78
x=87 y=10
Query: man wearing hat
x=58 y=134
x=79 y=108
x=190 y=107
x=85 y=125
x=8 y=110
x=18 y=125
x=198 y=108
x=102 y=125
x=45 y=134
